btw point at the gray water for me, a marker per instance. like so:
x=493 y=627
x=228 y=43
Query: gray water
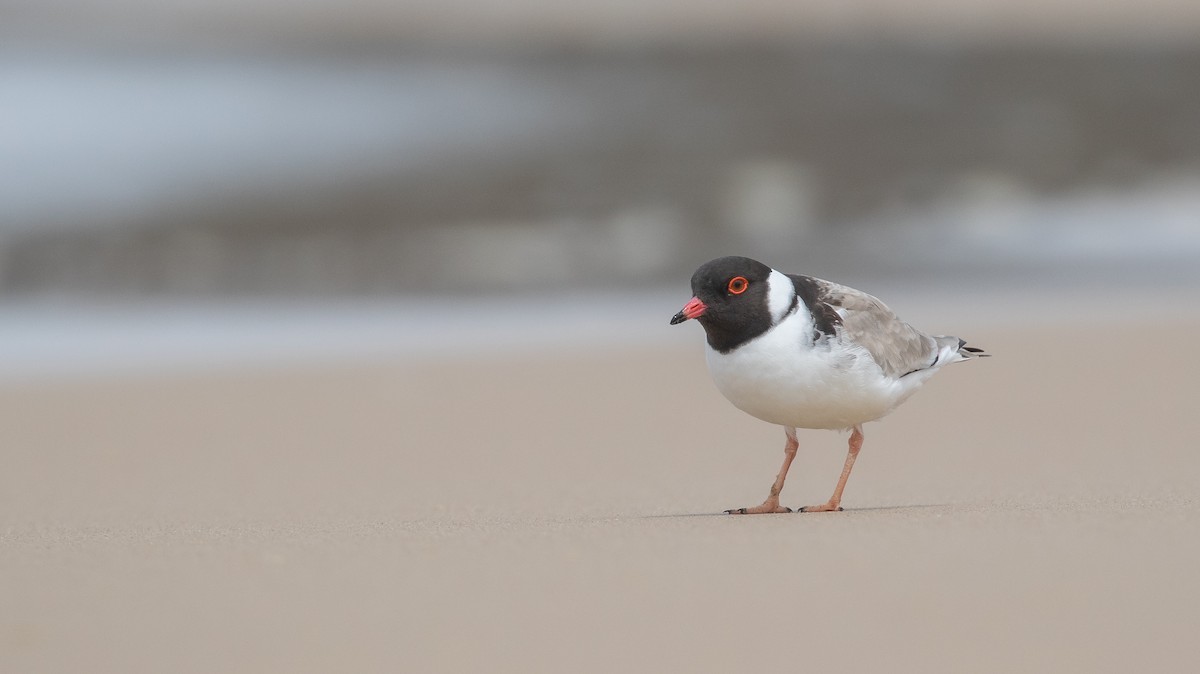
x=165 y=210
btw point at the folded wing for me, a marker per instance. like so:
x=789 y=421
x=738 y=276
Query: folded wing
x=897 y=347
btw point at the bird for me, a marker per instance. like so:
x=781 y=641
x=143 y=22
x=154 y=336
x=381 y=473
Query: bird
x=802 y=352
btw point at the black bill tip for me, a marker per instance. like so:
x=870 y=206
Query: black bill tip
x=678 y=318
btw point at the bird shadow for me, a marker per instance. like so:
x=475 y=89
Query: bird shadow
x=845 y=511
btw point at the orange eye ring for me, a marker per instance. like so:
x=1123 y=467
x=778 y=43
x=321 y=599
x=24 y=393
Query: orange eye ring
x=738 y=285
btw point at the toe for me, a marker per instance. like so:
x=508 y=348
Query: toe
x=759 y=510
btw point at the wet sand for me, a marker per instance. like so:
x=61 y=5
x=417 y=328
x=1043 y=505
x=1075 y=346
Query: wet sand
x=1037 y=512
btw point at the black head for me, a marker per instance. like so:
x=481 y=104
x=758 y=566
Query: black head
x=729 y=300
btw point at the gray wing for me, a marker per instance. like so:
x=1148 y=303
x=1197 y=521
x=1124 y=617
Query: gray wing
x=897 y=347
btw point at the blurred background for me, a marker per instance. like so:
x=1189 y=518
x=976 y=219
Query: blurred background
x=188 y=181
x=334 y=334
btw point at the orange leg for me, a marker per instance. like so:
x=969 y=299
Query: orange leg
x=856 y=440
x=771 y=505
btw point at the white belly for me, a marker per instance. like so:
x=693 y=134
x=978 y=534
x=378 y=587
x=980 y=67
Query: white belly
x=780 y=379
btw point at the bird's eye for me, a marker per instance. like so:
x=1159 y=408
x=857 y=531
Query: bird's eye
x=738 y=285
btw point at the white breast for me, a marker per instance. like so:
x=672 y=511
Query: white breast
x=780 y=377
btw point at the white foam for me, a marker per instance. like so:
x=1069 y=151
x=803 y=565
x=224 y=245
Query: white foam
x=53 y=339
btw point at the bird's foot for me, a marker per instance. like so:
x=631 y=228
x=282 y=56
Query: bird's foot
x=823 y=508
x=771 y=505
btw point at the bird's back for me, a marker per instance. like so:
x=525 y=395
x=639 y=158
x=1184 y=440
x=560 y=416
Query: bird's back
x=896 y=347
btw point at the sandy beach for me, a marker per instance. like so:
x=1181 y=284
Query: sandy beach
x=1035 y=512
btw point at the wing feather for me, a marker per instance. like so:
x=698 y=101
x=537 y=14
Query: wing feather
x=897 y=347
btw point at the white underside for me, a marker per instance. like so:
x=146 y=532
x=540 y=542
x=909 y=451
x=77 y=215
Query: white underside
x=778 y=377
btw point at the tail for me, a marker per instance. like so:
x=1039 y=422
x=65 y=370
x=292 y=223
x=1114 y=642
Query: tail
x=954 y=349
x=968 y=352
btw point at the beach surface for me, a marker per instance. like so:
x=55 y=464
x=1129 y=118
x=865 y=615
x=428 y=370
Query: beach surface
x=558 y=511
